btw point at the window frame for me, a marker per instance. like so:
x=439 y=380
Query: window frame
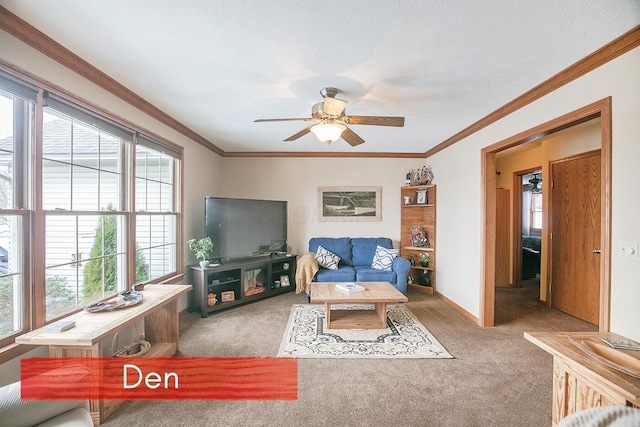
x=32 y=213
x=23 y=114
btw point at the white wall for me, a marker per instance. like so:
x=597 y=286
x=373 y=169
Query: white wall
x=458 y=172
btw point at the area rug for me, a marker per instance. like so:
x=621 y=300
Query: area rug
x=405 y=337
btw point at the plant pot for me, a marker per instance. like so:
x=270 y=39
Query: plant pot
x=424 y=279
x=204 y=264
x=424 y=263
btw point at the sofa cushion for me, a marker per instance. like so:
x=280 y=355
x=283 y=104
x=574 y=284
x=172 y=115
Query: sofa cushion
x=343 y=274
x=383 y=258
x=327 y=259
x=365 y=247
x=368 y=274
x=340 y=246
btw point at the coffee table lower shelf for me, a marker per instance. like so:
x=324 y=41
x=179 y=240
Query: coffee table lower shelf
x=357 y=319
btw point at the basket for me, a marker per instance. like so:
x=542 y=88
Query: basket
x=137 y=348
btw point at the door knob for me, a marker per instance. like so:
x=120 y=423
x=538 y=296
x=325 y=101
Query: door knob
x=596 y=251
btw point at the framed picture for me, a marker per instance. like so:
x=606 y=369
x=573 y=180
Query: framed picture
x=284 y=281
x=421 y=197
x=227 y=296
x=349 y=204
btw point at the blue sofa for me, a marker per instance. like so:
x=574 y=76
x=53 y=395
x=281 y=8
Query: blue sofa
x=356 y=257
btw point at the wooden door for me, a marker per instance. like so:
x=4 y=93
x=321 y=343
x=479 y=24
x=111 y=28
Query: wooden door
x=575 y=236
x=503 y=253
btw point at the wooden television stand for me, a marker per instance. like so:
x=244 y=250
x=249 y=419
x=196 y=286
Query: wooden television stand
x=159 y=309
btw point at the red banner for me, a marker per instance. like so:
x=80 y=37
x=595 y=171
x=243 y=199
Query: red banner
x=160 y=378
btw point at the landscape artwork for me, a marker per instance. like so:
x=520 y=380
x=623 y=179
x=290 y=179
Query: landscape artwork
x=349 y=204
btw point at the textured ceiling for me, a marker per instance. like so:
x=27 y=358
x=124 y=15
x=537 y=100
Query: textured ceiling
x=215 y=66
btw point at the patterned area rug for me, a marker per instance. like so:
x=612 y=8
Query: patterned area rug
x=404 y=337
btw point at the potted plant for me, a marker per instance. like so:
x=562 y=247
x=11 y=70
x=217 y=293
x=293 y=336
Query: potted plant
x=202 y=249
x=424 y=259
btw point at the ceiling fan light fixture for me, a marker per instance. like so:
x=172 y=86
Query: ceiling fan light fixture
x=328 y=132
x=536 y=184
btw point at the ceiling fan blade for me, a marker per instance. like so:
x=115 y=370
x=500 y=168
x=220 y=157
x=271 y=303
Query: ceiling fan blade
x=375 y=120
x=351 y=137
x=303 y=132
x=334 y=107
x=304 y=119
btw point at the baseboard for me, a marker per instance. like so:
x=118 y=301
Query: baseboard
x=456 y=307
x=421 y=289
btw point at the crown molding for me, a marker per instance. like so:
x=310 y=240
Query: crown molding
x=616 y=48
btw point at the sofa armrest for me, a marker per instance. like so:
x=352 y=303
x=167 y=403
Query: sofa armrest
x=401 y=267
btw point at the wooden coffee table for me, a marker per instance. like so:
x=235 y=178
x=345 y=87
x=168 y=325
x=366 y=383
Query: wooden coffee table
x=377 y=293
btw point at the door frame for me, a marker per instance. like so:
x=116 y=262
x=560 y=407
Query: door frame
x=601 y=109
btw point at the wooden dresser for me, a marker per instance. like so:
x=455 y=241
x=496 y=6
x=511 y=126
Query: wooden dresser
x=579 y=380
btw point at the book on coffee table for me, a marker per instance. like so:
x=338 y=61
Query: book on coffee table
x=350 y=287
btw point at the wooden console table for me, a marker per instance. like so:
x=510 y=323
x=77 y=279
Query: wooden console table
x=159 y=309
x=580 y=381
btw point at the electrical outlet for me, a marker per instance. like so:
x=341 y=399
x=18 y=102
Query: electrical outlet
x=628 y=250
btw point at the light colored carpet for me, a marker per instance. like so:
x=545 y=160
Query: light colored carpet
x=496 y=379
x=306 y=336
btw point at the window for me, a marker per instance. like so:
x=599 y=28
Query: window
x=156 y=215
x=90 y=207
x=536 y=213
x=16 y=113
x=82 y=189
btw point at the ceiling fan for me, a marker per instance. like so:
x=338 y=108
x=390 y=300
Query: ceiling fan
x=330 y=120
x=534 y=185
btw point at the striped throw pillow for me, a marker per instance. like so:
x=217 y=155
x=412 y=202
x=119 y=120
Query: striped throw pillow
x=327 y=259
x=383 y=258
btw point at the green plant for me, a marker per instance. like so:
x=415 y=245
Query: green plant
x=100 y=271
x=424 y=257
x=201 y=248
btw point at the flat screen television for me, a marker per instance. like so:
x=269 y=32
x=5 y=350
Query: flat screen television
x=241 y=228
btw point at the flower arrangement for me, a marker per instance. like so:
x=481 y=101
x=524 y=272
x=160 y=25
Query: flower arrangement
x=418 y=237
x=424 y=259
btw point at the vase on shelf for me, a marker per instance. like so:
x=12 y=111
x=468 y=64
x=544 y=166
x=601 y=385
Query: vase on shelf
x=424 y=279
x=420 y=242
x=211 y=300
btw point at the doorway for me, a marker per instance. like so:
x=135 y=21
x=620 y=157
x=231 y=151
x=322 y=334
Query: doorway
x=601 y=110
x=531 y=225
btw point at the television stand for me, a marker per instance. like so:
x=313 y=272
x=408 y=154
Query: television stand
x=242 y=281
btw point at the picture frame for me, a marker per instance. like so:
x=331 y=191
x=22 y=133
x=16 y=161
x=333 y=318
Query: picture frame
x=284 y=281
x=227 y=296
x=421 y=197
x=349 y=204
